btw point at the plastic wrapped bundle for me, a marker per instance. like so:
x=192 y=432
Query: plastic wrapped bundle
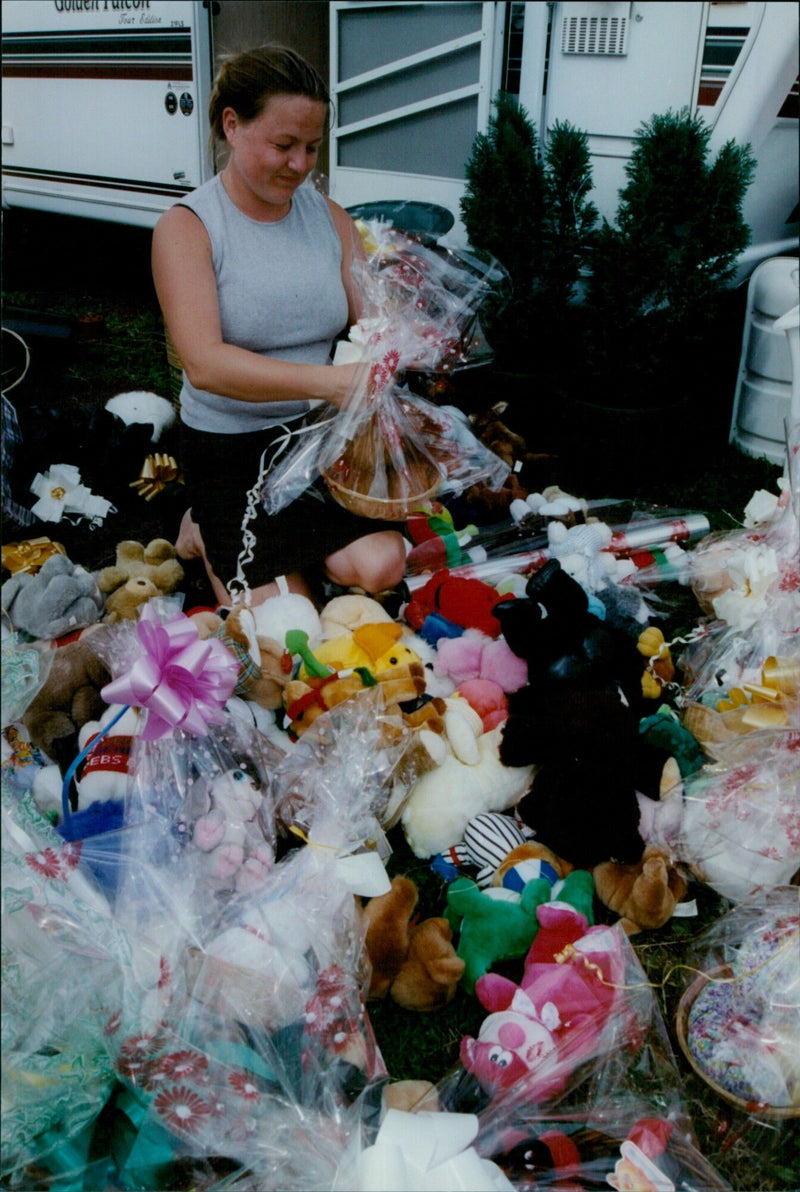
x=739 y=1020
x=388 y=451
x=740 y=827
x=57 y=1073
x=586 y=1092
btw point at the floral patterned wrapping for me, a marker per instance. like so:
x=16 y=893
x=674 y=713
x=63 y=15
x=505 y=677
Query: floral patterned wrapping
x=743 y=1025
x=224 y=1020
x=57 y=1073
x=741 y=819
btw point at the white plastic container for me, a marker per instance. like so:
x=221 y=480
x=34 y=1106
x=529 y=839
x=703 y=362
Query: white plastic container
x=762 y=405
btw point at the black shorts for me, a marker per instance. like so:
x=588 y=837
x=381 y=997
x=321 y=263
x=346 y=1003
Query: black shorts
x=220 y=470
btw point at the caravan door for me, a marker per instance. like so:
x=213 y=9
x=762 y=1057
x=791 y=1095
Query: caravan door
x=412 y=84
x=104 y=105
x=610 y=67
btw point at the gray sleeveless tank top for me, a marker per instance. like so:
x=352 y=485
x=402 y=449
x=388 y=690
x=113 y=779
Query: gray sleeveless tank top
x=280 y=294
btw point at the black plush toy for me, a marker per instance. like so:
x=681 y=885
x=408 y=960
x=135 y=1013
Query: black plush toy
x=577 y=720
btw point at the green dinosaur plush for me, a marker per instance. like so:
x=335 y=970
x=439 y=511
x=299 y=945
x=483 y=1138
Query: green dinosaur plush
x=495 y=924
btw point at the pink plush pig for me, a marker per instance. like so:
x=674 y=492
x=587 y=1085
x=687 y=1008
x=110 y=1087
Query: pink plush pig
x=539 y=1031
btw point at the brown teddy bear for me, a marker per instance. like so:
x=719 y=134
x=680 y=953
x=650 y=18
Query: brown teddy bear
x=139 y=573
x=417 y=965
x=644 y=894
x=263 y=680
x=69 y=699
x=530 y=471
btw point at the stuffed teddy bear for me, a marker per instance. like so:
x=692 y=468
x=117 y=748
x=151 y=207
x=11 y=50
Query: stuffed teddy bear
x=416 y=965
x=591 y=765
x=307 y=699
x=344 y=614
x=236 y=852
x=498 y=924
x=68 y=699
x=59 y=598
x=539 y=1031
x=564 y=643
x=443 y=801
x=139 y=573
x=578 y=722
x=265 y=666
x=529 y=470
x=645 y=894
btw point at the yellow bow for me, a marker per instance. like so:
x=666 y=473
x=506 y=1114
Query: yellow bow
x=157 y=472
x=29 y=555
x=764 y=701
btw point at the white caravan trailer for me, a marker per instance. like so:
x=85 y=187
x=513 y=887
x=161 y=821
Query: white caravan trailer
x=104 y=101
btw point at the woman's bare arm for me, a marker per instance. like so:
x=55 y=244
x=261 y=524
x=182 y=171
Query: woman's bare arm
x=184 y=280
x=352 y=249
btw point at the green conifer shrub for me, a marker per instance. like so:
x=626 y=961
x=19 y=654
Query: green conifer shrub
x=656 y=276
x=529 y=208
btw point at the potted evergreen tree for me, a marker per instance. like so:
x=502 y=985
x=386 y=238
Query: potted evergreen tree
x=529 y=208
x=658 y=275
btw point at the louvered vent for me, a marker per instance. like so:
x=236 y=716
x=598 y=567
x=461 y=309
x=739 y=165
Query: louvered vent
x=594 y=35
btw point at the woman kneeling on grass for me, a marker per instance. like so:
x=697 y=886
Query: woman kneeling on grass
x=253 y=274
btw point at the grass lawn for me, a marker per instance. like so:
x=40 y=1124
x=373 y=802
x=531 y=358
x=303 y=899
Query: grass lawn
x=97 y=278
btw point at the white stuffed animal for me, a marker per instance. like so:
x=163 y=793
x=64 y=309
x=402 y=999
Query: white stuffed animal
x=290 y=610
x=142 y=407
x=443 y=801
x=104 y=773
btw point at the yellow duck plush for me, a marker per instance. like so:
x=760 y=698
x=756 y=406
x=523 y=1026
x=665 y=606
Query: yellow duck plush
x=377 y=647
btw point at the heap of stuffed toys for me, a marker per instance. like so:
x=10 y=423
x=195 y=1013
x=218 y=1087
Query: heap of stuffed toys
x=532 y=744
x=228 y=816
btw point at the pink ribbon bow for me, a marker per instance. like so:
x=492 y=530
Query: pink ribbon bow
x=181 y=681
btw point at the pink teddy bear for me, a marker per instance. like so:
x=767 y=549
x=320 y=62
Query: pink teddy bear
x=230 y=833
x=539 y=1031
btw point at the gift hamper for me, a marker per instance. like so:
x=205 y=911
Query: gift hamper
x=389 y=451
x=738 y=1021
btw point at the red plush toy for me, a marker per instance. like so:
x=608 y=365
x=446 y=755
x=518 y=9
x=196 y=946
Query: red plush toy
x=468 y=603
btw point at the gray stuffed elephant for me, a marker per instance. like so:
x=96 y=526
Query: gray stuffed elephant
x=58 y=599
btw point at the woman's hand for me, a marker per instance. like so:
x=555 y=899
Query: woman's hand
x=347 y=382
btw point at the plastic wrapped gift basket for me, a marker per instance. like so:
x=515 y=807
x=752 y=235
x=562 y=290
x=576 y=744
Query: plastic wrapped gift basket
x=389 y=451
x=737 y=1021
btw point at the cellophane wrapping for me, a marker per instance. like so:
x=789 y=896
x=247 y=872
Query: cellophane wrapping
x=57 y=1073
x=739 y=1017
x=360 y=755
x=387 y=451
x=740 y=824
x=600 y=1104
x=214 y=1013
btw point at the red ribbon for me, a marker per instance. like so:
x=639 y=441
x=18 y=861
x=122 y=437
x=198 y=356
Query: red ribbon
x=181 y=681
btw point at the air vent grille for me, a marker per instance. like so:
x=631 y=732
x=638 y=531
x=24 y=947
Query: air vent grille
x=594 y=35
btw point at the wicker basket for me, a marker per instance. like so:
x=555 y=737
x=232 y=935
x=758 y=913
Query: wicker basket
x=379 y=508
x=756 y=1109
